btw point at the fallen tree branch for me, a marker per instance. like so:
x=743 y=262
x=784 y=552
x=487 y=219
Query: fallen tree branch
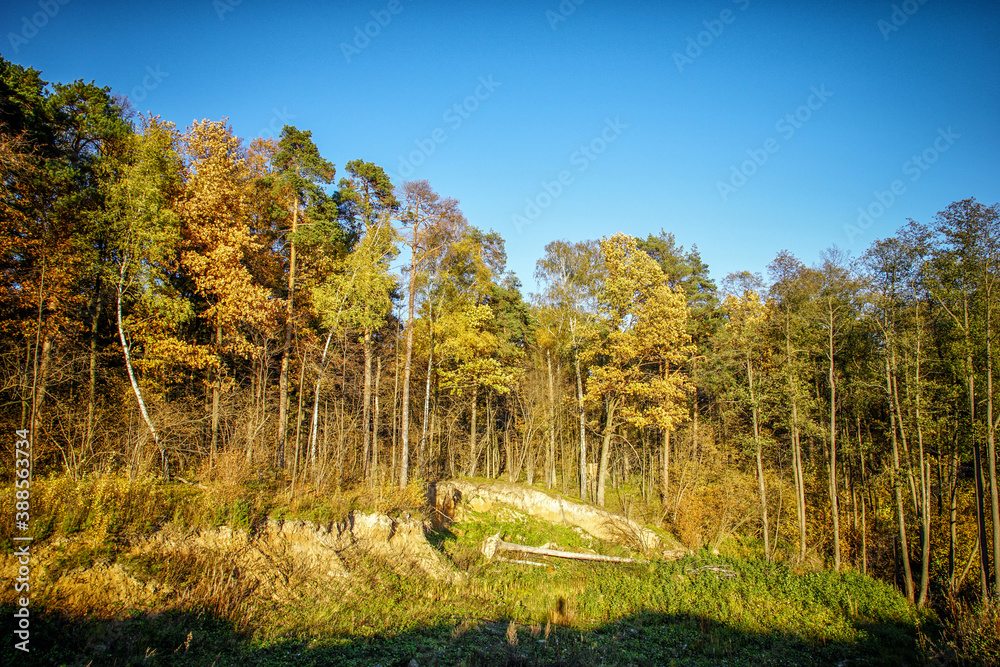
x=493 y=544
x=520 y=562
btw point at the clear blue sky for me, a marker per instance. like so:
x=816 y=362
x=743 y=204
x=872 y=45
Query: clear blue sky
x=742 y=126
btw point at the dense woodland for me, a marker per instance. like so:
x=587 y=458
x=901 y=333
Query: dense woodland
x=178 y=301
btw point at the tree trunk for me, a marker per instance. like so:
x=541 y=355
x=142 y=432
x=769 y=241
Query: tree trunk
x=287 y=348
x=375 y=424
x=800 y=485
x=583 y=430
x=602 y=472
x=834 y=498
x=216 y=397
x=314 y=427
x=970 y=382
x=864 y=502
x=366 y=399
x=953 y=516
x=40 y=388
x=473 y=446
x=666 y=466
x=404 y=455
x=95 y=313
x=695 y=408
x=164 y=462
x=925 y=481
x=395 y=406
x=760 y=458
x=897 y=488
x=550 y=458
x=422 y=454
x=991 y=453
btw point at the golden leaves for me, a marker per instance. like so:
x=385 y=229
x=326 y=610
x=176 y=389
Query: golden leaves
x=645 y=338
x=217 y=206
x=469 y=351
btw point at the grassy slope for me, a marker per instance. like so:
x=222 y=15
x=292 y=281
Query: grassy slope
x=569 y=613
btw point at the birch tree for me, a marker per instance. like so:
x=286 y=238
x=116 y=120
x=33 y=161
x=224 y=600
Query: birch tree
x=147 y=231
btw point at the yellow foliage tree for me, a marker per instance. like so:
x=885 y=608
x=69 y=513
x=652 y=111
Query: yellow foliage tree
x=636 y=361
x=747 y=320
x=216 y=209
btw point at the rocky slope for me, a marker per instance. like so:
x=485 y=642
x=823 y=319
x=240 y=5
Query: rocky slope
x=451 y=497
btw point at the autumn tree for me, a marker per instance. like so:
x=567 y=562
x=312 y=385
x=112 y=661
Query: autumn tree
x=299 y=174
x=479 y=356
x=745 y=338
x=356 y=297
x=686 y=271
x=216 y=209
x=60 y=139
x=636 y=363
x=146 y=231
x=571 y=275
x=428 y=223
x=367 y=201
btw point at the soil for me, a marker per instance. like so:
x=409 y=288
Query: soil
x=449 y=498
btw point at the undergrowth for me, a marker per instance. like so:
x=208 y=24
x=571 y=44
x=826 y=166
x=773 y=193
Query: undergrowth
x=705 y=609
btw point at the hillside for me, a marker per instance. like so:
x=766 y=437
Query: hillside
x=175 y=575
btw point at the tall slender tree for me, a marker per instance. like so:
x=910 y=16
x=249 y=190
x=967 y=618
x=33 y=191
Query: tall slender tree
x=428 y=223
x=299 y=174
x=789 y=295
x=745 y=336
x=147 y=232
x=367 y=201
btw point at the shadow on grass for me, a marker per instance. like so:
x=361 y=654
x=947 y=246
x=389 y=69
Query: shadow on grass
x=648 y=638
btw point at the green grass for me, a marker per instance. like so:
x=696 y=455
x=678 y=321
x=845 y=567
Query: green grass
x=686 y=612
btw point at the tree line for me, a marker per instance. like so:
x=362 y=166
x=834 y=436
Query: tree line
x=182 y=300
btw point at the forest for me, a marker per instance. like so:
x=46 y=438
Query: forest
x=178 y=301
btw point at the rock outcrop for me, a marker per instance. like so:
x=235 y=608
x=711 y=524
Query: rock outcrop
x=448 y=499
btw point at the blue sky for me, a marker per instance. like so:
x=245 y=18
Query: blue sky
x=742 y=126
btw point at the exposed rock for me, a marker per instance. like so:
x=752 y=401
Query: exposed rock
x=402 y=542
x=448 y=498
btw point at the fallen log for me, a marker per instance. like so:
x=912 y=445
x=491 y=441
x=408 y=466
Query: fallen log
x=520 y=562
x=493 y=544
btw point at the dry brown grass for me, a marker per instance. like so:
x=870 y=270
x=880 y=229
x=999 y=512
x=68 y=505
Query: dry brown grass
x=715 y=509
